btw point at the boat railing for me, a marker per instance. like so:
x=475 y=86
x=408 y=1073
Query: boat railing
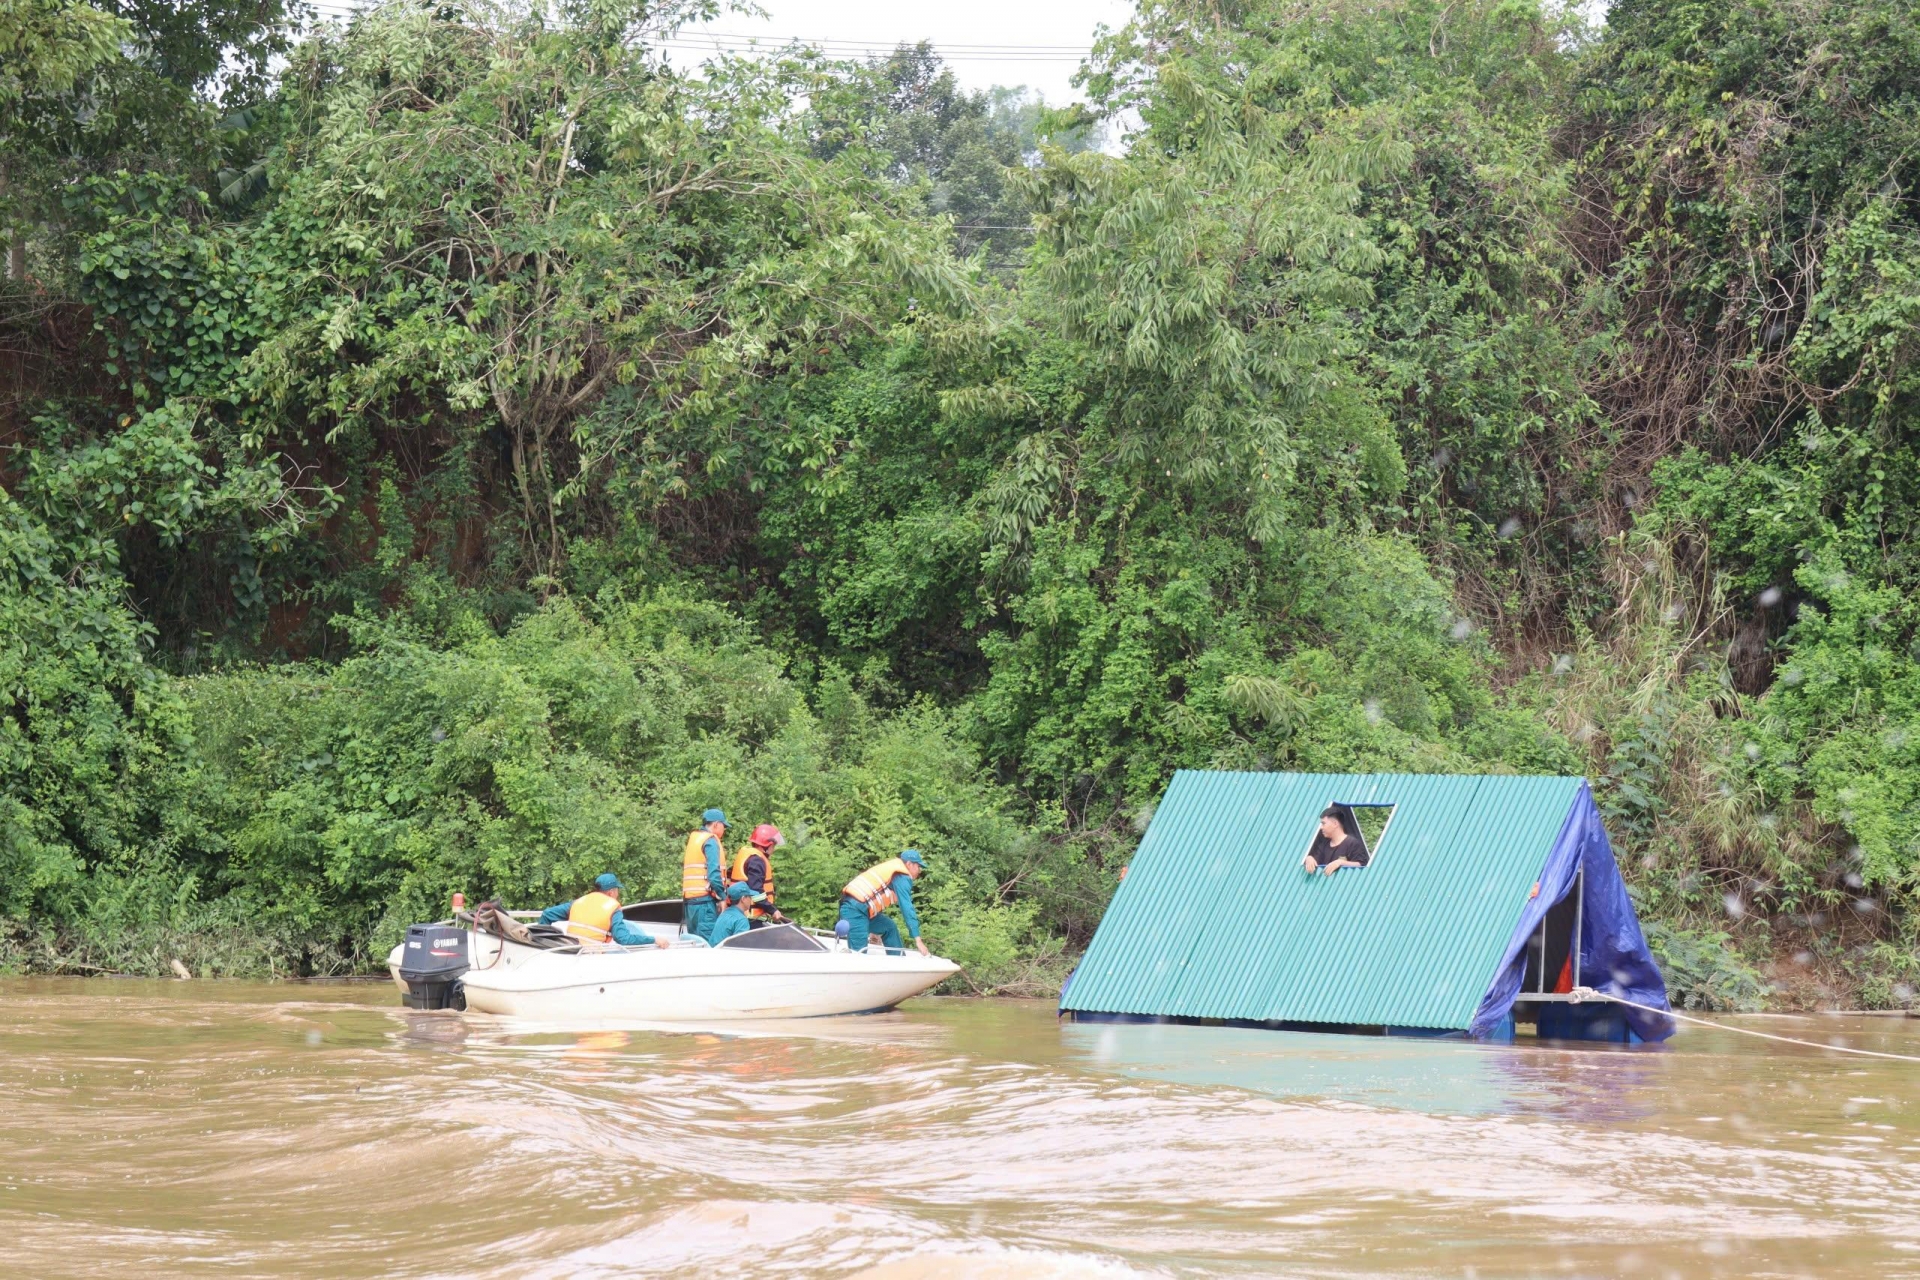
x=827 y=938
x=530 y=916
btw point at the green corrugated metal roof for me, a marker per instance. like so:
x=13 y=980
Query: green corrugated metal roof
x=1411 y=940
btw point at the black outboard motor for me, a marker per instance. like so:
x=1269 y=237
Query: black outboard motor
x=435 y=957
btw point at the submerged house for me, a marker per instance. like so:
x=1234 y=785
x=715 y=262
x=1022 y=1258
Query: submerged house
x=1485 y=900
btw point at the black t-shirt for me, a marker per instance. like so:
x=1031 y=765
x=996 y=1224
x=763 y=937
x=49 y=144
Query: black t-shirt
x=1349 y=848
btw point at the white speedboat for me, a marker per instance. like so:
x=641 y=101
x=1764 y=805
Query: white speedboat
x=776 y=971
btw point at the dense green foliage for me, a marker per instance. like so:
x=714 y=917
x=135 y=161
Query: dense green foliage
x=456 y=455
x=348 y=797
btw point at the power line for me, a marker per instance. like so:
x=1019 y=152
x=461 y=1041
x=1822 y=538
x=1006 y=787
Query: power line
x=869 y=44
x=872 y=49
x=946 y=61
x=737 y=42
x=872 y=52
x=743 y=42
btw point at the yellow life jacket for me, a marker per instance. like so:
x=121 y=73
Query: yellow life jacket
x=738 y=875
x=874 y=887
x=591 y=916
x=693 y=866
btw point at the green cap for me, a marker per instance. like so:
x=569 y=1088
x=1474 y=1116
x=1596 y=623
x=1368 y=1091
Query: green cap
x=608 y=883
x=714 y=815
x=913 y=856
x=740 y=889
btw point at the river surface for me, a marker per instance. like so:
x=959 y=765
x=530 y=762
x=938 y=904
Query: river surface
x=202 y=1129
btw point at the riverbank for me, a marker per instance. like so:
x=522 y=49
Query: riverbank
x=1765 y=969
x=242 y=955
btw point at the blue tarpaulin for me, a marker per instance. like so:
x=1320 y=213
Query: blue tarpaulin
x=1613 y=951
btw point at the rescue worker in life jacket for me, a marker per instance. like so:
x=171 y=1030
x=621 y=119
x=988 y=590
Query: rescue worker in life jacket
x=740 y=900
x=863 y=903
x=701 y=883
x=595 y=917
x=753 y=867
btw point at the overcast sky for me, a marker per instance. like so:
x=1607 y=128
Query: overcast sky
x=1037 y=43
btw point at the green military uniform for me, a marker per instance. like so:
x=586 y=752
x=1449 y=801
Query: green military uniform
x=734 y=919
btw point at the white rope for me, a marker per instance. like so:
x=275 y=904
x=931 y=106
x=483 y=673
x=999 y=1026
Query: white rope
x=1581 y=994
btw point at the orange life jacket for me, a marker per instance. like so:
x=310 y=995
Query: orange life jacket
x=738 y=875
x=591 y=916
x=873 y=887
x=693 y=866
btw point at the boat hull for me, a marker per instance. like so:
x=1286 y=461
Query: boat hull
x=686 y=983
x=692 y=984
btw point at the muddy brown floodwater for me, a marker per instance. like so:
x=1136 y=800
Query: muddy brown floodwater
x=194 y=1128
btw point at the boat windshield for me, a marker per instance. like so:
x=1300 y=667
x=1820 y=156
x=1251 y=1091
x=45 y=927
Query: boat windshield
x=773 y=937
x=658 y=911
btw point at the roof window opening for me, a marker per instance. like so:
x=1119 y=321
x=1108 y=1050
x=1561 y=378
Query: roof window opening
x=1347 y=835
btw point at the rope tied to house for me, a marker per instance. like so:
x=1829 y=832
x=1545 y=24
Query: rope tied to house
x=1581 y=994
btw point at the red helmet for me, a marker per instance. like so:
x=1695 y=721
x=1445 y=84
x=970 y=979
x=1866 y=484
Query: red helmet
x=767 y=836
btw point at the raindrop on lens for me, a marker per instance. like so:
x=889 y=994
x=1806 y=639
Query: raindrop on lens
x=1509 y=527
x=1734 y=906
x=1770 y=597
x=1462 y=629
